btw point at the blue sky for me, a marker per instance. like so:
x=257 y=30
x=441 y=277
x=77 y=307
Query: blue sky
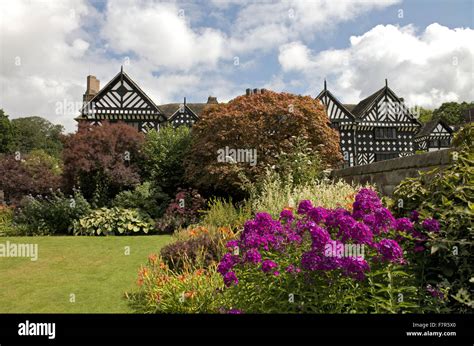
x=176 y=49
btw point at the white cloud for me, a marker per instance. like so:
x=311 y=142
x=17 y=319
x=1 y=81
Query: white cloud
x=427 y=69
x=159 y=33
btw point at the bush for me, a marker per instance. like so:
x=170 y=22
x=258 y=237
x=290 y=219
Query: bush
x=194 y=290
x=222 y=213
x=273 y=195
x=54 y=214
x=267 y=123
x=164 y=153
x=183 y=211
x=30 y=174
x=103 y=160
x=324 y=261
x=6 y=221
x=202 y=245
x=299 y=166
x=113 y=221
x=144 y=197
x=447 y=195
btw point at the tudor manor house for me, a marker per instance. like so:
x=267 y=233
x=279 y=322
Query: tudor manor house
x=379 y=127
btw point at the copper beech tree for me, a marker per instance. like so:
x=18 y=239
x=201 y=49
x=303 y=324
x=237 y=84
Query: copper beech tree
x=268 y=123
x=103 y=160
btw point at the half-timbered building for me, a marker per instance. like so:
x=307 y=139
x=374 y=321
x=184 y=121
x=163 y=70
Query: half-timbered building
x=378 y=128
x=435 y=135
x=123 y=100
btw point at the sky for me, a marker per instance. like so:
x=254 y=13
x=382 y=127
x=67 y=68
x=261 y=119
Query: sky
x=193 y=49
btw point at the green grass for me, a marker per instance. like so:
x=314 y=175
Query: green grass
x=95 y=269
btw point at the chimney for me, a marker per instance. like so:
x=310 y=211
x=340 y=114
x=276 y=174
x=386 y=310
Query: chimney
x=256 y=91
x=93 y=87
x=212 y=100
x=263 y=91
x=248 y=91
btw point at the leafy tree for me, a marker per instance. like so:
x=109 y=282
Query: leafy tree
x=164 y=157
x=6 y=133
x=29 y=174
x=103 y=160
x=425 y=114
x=263 y=124
x=37 y=133
x=452 y=112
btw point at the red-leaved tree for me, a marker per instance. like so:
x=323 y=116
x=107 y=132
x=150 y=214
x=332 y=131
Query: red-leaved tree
x=267 y=124
x=102 y=160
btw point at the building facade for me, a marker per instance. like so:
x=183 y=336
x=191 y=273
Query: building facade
x=435 y=135
x=380 y=127
x=123 y=100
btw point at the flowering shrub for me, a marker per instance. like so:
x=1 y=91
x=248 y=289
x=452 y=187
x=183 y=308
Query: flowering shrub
x=446 y=195
x=324 y=260
x=182 y=211
x=162 y=290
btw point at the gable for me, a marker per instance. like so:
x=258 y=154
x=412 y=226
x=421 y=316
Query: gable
x=388 y=108
x=122 y=99
x=441 y=130
x=183 y=116
x=335 y=110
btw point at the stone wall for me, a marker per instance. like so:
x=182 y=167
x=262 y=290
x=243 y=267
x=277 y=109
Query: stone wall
x=386 y=175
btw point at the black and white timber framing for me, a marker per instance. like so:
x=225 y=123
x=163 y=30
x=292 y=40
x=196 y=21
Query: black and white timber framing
x=435 y=135
x=123 y=100
x=378 y=128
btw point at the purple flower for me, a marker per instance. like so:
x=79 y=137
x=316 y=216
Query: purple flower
x=366 y=202
x=318 y=214
x=434 y=292
x=390 y=250
x=234 y=312
x=276 y=273
x=227 y=263
x=287 y=215
x=291 y=269
x=383 y=219
x=414 y=215
x=355 y=267
x=268 y=265
x=252 y=256
x=361 y=233
x=431 y=225
x=232 y=244
x=230 y=279
x=319 y=236
x=403 y=225
x=304 y=207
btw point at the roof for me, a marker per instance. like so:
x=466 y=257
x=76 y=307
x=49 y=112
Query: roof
x=349 y=106
x=430 y=126
x=359 y=110
x=170 y=108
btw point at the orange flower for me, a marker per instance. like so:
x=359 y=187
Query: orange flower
x=163 y=265
x=199 y=272
x=289 y=208
x=190 y=294
x=181 y=277
x=153 y=258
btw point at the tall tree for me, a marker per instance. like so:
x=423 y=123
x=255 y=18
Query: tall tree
x=6 y=133
x=103 y=160
x=238 y=141
x=452 y=112
x=37 y=133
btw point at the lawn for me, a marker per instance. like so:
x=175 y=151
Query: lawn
x=95 y=270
